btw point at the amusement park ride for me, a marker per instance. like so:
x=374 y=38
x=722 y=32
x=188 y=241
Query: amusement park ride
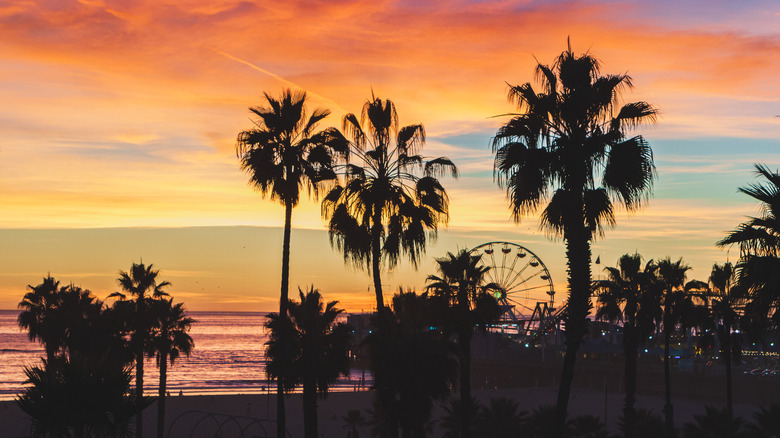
x=524 y=290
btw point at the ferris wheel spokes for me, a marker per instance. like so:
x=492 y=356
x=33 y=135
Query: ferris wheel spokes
x=522 y=278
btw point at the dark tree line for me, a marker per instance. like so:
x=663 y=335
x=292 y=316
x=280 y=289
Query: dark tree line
x=83 y=386
x=569 y=152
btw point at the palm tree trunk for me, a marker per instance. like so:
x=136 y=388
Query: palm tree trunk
x=630 y=345
x=310 y=408
x=139 y=389
x=465 y=381
x=578 y=260
x=161 y=395
x=376 y=261
x=729 y=396
x=668 y=410
x=464 y=339
x=281 y=418
x=50 y=352
x=386 y=404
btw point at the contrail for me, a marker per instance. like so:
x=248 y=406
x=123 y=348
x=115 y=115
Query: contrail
x=278 y=78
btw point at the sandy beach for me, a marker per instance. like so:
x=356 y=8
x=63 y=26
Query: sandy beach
x=199 y=416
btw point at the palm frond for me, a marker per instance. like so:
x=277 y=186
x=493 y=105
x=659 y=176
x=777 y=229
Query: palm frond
x=599 y=214
x=630 y=171
x=440 y=166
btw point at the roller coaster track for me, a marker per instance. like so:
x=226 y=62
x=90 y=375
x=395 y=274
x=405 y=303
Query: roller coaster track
x=547 y=325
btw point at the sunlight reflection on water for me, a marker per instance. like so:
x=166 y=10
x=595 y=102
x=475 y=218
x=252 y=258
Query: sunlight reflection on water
x=228 y=357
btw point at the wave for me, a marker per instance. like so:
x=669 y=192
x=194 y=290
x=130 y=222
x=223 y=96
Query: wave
x=18 y=350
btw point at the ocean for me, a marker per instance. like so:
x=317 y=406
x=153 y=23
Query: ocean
x=228 y=357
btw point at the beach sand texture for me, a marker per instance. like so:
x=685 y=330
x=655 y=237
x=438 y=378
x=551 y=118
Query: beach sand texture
x=244 y=407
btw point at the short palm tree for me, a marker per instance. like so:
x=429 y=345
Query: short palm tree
x=169 y=340
x=94 y=329
x=501 y=418
x=647 y=424
x=766 y=422
x=88 y=397
x=569 y=147
x=41 y=317
x=413 y=364
x=83 y=389
x=352 y=421
x=726 y=303
x=677 y=305
x=318 y=348
x=283 y=154
x=628 y=295
x=141 y=283
x=78 y=308
x=384 y=208
x=460 y=282
x=715 y=423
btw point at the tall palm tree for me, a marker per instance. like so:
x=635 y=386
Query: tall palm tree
x=759 y=242
x=384 y=208
x=169 y=340
x=141 y=283
x=460 y=283
x=319 y=348
x=628 y=295
x=760 y=235
x=569 y=145
x=728 y=297
x=283 y=154
x=677 y=304
x=41 y=318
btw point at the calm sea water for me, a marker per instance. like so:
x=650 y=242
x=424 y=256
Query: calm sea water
x=228 y=357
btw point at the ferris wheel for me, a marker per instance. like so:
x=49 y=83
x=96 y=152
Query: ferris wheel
x=523 y=280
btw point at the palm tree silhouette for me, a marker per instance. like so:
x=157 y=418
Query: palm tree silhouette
x=309 y=348
x=283 y=154
x=760 y=235
x=384 y=208
x=759 y=245
x=87 y=397
x=169 y=339
x=500 y=419
x=82 y=389
x=678 y=309
x=56 y=317
x=766 y=421
x=413 y=364
x=727 y=301
x=628 y=295
x=569 y=144
x=41 y=317
x=715 y=423
x=460 y=283
x=141 y=284
x=352 y=421
x=93 y=329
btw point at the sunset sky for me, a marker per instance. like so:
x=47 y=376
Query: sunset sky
x=118 y=122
